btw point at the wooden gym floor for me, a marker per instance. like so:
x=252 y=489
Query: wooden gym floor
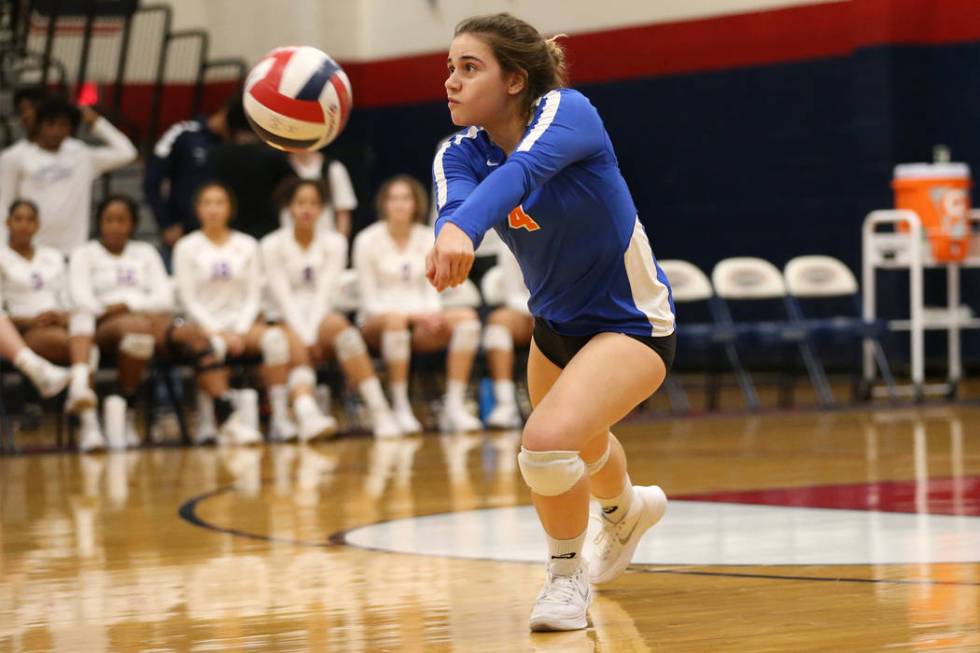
x=802 y=531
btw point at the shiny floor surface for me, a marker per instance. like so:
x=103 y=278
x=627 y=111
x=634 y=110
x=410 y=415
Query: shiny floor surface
x=803 y=531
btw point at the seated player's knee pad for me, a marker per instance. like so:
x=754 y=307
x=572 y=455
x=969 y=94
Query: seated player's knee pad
x=275 y=346
x=497 y=337
x=94 y=356
x=301 y=376
x=349 y=344
x=137 y=345
x=550 y=473
x=396 y=346
x=596 y=465
x=81 y=323
x=466 y=336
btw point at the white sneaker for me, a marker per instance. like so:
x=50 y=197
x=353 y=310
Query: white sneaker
x=458 y=420
x=235 y=432
x=205 y=427
x=504 y=416
x=407 y=421
x=316 y=425
x=385 y=424
x=282 y=429
x=49 y=379
x=132 y=435
x=80 y=399
x=114 y=421
x=612 y=545
x=563 y=603
x=90 y=437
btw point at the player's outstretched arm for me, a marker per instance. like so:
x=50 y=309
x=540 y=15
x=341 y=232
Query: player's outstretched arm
x=449 y=262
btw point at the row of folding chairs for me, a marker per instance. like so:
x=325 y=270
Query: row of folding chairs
x=749 y=305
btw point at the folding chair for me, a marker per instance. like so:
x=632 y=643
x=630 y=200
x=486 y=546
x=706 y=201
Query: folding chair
x=699 y=328
x=823 y=294
x=755 y=289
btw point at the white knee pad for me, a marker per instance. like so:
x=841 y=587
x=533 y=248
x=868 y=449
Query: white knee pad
x=349 y=344
x=550 y=473
x=81 y=323
x=275 y=346
x=137 y=345
x=466 y=336
x=396 y=346
x=219 y=348
x=497 y=336
x=94 y=355
x=302 y=376
x=596 y=466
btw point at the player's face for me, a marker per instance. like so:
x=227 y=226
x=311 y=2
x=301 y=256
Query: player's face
x=115 y=225
x=305 y=206
x=214 y=208
x=400 y=204
x=27 y=113
x=478 y=90
x=51 y=133
x=21 y=225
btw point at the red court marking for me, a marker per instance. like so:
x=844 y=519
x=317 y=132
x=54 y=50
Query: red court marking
x=938 y=496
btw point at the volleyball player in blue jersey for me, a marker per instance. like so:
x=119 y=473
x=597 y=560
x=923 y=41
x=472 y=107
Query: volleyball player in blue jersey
x=535 y=163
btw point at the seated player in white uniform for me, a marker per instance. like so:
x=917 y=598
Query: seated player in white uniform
x=219 y=281
x=506 y=326
x=401 y=312
x=302 y=265
x=123 y=300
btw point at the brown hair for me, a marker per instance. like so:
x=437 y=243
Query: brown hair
x=418 y=193
x=520 y=48
x=287 y=190
x=229 y=193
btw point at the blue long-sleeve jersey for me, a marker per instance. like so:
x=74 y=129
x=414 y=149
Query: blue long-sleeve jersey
x=561 y=204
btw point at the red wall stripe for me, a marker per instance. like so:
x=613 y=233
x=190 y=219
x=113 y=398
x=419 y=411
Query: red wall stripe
x=724 y=42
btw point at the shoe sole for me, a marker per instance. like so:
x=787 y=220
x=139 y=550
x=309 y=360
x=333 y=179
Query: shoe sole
x=559 y=625
x=626 y=555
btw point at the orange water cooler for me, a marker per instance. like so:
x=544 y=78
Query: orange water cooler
x=940 y=194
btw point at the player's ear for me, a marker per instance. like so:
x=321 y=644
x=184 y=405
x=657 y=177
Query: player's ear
x=516 y=82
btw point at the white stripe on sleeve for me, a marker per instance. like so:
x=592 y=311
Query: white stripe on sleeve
x=552 y=100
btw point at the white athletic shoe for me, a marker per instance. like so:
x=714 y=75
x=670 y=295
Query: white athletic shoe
x=563 y=603
x=233 y=431
x=504 y=416
x=458 y=420
x=49 y=379
x=282 y=429
x=205 y=428
x=316 y=425
x=132 y=435
x=407 y=421
x=90 y=437
x=612 y=545
x=79 y=399
x=385 y=424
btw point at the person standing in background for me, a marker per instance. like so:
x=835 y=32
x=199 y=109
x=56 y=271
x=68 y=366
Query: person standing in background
x=341 y=200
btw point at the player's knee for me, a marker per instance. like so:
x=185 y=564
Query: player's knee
x=301 y=378
x=497 y=337
x=465 y=337
x=349 y=344
x=81 y=324
x=275 y=346
x=334 y=323
x=550 y=473
x=137 y=345
x=394 y=321
x=396 y=346
x=547 y=433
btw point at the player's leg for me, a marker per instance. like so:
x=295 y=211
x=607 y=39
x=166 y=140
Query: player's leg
x=588 y=396
x=389 y=334
x=464 y=340
x=47 y=378
x=50 y=342
x=505 y=328
x=130 y=335
x=338 y=338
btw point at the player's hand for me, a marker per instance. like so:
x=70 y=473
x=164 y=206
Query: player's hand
x=449 y=262
x=47 y=318
x=89 y=115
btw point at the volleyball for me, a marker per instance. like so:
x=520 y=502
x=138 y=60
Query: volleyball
x=297 y=98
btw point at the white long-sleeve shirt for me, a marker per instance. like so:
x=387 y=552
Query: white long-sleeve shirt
x=302 y=279
x=220 y=286
x=516 y=294
x=60 y=183
x=33 y=286
x=134 y=277
x=393 y=279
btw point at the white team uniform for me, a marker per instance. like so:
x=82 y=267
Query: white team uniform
x=135 y=277
x=342 y=197
x=35 y=286
x=392 y=279
x=60 y=183
x=516 y=293
x=220 y=286
x=302 y=280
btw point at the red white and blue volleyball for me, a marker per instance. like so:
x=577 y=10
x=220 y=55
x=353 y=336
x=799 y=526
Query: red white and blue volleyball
x=297 y=98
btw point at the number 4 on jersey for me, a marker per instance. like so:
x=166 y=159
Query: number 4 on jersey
x=518 y=219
